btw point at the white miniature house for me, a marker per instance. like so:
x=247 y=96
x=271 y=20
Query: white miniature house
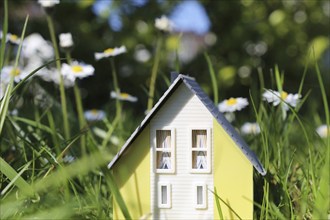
x=179 y=154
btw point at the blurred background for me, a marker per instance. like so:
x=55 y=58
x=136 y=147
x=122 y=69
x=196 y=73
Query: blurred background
x=241 y=37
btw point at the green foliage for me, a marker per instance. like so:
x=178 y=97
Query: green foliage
x=37 y=180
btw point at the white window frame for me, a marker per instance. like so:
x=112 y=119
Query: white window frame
x=208 y=150
x=204 y=194
x=171 y=150
x=168 y=195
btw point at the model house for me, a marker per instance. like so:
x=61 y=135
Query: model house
x=181 y=152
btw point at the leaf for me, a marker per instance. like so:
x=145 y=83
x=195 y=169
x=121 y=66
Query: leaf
x=218 y=204
x=15 y=177
x=213 y=78
x=4 y=34
x=119 y=199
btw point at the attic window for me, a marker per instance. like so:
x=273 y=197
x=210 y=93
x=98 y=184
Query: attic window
x=164 y=151
x=200 y=150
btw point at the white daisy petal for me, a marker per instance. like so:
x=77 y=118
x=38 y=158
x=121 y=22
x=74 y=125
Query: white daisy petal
x=323 y=131
x=123 y=96
x=233 y=104
x=276 y=98
x=77 y=70
x=98 y=55
x=68 y=159
x=250 y=128
x=35 y=46
x=14 y=39
x=94 y=115
x=8 y=71
x=48 y=3
x=164 y=24
x=110 y=52
x=66 y=40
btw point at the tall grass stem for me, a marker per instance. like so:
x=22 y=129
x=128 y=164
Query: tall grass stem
x=116 y=88
x=213 y=78
x=154 y=72
x=80 y=110
x=6 y=98
x=4 y=34
x=58 y=66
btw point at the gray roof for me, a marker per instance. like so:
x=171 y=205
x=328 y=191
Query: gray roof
x=197 y=90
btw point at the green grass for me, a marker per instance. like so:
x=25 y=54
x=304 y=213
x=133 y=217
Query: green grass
x=36 y=181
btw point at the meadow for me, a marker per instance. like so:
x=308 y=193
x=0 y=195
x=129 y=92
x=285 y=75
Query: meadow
x=55 y=149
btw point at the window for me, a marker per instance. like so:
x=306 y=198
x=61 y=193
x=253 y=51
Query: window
x=200 y=150
x=200 y=196
x=164 y=158
x=164 y=195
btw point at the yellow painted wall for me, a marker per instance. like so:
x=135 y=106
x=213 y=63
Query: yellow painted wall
x=132 y=175
x=233 y=176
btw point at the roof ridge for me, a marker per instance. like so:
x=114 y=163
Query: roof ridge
x=186 y=76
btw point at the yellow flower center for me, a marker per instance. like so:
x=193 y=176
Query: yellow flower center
x=76 y=69
x=94 y=111
x=284 y=95
x=15 y=72
x=124 y=95
x=109 y=51
x=13 y=37
x=231 y=101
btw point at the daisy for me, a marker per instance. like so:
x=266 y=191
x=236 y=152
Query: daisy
x=94 y=115
x=9 y=71
x=323 y=131
x=48 y=3
x=13 y=38
x=123 y=96
x=110 y=52
x=66 y=40
x=77 y=70
x=164 y=24
x=275 y=97
x=51 y=75
x=68 y=159
x=250 y=128
x=233 y=104
x=35 y=46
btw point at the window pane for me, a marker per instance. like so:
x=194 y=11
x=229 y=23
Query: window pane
x=164 y=195
x=163 y=138
x=163 y=160
x=199 y=160
x=200 y=199
x=199 y=139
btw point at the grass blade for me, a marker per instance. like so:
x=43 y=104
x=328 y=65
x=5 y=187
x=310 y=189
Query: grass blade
x=30 y=75
x=154 y=72
x=119 y=199
x=231 y=209
x=5 y=100
x=217 y=202
x=12 y=182
x=4 y=35
x=4 y=105
x=322 y=200
x=213 y=78
x=279 y=82
x=15 y=177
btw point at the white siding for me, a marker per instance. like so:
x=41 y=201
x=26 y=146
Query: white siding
x=182 y=111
